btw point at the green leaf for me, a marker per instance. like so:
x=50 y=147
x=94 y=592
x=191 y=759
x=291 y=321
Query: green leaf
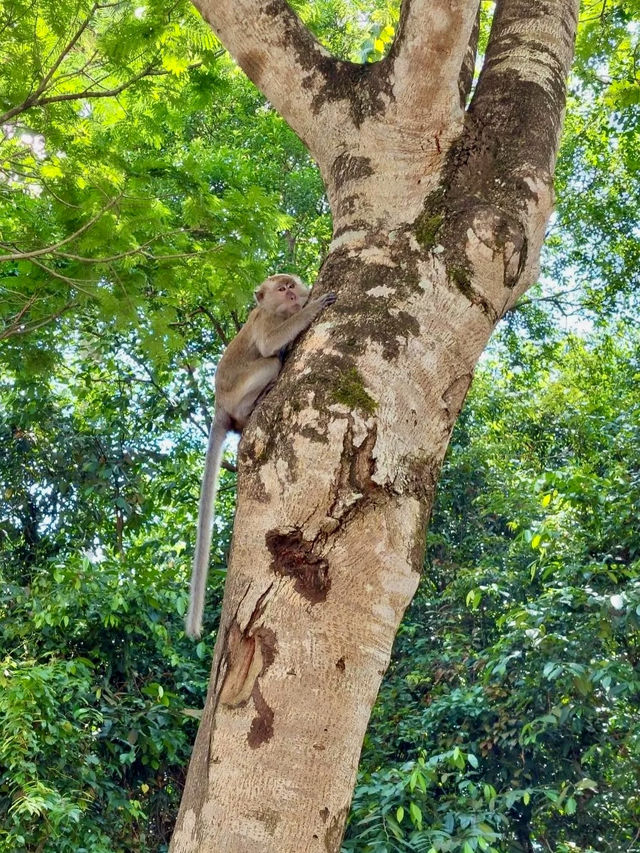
x=586 y=784
x=416 y=814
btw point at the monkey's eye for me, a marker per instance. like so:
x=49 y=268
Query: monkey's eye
x=282 y=289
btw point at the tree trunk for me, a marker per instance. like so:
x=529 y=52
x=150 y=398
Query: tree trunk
x=439 y=214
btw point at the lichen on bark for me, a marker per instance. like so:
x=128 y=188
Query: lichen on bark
x=350 y=392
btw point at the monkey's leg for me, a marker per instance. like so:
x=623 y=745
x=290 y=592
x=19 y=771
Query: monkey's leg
x=262 y=376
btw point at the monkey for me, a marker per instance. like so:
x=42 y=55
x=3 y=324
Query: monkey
x=247 y=370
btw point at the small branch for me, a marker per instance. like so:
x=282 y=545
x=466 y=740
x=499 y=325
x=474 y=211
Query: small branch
x=16 y=319
x=86 y=94
x=214 y=322
x=124 y=290
x=198 y=395
x=181 y=255
x=35 y=96
x=66 y=51
x=49 y=250
x=633 y=843
x=78 y=72
x=72 y=282
x=137 y=250
x=161 y=71
x=236 y=320
x=229 y=466
x=58 y=198
x=216 y=325
x=554 y=297
x=26 y=328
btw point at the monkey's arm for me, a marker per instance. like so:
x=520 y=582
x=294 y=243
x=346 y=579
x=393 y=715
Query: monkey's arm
x=270 y=340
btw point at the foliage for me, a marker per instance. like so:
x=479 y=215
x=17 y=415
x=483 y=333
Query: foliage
x=146 y=187
x=596 y=265
x=98 y=683
x=151 y=205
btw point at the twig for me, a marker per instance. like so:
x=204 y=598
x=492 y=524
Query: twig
x=34 y=97
x=199 y=397
x=48 y=250
x=15 y=320
x=13 y=331
x=635 y=838
x=57 y=197
x=215 y=323
x=72 y=282
x=109 y=259
x=554 y=298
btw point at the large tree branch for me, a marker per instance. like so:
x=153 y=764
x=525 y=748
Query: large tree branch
x=521 y=91
x=465 y=80
x=324 y=99
x=280 y=55
x=500 y=191
x=431 y=48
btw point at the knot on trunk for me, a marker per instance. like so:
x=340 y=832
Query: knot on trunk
x=498 y=232
x=293 y=557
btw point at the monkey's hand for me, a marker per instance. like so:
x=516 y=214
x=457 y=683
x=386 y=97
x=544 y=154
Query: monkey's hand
x=327 y=299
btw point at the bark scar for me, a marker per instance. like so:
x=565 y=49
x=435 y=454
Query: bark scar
x=248 y=656
x=261 y=729
x=354 y=481
x=294 y=557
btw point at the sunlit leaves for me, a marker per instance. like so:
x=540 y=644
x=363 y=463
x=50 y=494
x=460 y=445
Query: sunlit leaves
x=136 y=186
x=595 y=243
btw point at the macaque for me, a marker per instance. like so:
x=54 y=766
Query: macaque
x=248 y=368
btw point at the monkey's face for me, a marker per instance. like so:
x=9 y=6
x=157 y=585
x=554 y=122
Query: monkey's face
x=282 y=294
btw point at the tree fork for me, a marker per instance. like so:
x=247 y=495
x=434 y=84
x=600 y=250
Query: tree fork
x=439 y=216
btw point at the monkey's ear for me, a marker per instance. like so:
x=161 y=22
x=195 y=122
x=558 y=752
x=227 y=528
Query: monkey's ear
x=259 y=293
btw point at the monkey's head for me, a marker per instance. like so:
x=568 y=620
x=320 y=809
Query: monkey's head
x=282 y=294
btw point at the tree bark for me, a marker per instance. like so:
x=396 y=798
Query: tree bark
x=439 y=216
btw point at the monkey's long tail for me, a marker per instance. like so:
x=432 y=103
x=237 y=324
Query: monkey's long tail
x=219 y=429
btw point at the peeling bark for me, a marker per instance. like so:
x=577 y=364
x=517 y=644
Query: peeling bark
x=439 y=216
